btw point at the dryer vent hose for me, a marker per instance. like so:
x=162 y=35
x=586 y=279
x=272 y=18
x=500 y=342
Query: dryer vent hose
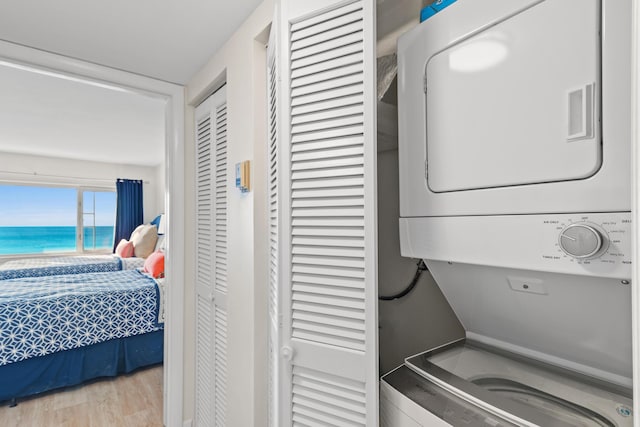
x=421 y=267
x=387 y=70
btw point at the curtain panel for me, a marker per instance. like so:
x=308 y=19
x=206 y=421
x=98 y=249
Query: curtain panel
x=129 y=209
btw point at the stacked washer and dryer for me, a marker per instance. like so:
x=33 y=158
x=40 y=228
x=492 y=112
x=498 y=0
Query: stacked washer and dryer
x=515 y=188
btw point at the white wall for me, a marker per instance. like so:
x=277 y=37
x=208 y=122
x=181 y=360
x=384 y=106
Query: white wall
x=423 y=319
x=241 y=63
x=28 y=169
x=160 y=189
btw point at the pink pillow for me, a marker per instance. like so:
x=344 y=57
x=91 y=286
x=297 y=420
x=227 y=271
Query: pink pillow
x=154 y=264
x=124 y=249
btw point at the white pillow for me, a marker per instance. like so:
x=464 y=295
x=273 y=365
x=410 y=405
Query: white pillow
x=144 y=239
x=160 y=243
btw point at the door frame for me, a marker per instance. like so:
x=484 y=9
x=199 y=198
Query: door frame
x=173 y=95
x=635 y=206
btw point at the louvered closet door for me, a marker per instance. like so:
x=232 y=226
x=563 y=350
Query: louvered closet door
x=211 y=261
x=329 y=284
x=274 y=215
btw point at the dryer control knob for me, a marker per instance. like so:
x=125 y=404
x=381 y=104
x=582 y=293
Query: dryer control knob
x=581 y=240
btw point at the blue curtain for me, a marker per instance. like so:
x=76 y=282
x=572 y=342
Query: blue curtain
x=129 y=212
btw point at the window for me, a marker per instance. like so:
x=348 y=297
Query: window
x=39 y=219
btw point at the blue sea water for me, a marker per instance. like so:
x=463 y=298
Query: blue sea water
x=36 y=240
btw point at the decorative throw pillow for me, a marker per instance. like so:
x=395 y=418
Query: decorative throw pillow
x=144 y=239
x=124 y=249
x=154 y=264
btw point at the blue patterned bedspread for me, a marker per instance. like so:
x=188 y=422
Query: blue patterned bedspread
x=43 y=315
x=50 y=266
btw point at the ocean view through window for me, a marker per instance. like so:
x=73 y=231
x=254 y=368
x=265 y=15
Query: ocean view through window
x=39 y=220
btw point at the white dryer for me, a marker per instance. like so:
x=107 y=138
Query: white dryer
x=516 y=107
x=514 y=148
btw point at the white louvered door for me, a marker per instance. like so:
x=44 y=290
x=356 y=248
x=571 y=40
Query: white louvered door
x=274 y=215
x=211 y=260
x=328 y=225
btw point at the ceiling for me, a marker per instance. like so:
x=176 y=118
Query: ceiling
x=51 y=116
x=165 y=39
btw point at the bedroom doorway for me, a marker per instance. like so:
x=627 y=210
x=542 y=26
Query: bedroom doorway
x=171 y=95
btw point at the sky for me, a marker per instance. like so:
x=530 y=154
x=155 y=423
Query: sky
x=50 y=206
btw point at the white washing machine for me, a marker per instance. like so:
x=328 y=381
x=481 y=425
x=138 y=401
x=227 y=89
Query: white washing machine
x=541 y=349
x=464 y=384
x=514 y=148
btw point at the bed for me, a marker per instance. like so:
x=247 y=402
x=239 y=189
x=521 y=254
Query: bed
x=49 y=266
x=62 y=330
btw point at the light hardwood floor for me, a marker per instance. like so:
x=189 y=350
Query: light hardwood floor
x=133 y=400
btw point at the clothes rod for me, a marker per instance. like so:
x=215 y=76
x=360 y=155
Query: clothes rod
x=110 y=180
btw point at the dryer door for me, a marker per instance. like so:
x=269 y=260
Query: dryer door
x=517 y=103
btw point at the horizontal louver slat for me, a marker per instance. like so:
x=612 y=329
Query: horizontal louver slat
x=329 y=161
x=343 y=312
x=312 y=147
x=328 y=241
x=332 y=95
x=314 y=91
x=323 y=268
x=328 y=231
x=324 y=192
x=326 y=105
x=312 y=287
x=316 y=115
x=324 y=134
x=334 y=251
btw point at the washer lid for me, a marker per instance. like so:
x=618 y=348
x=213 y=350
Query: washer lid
x=524 y=391
x=518 y=102
x=580 y=323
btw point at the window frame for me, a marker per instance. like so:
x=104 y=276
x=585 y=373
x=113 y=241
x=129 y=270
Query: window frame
x=80 y=190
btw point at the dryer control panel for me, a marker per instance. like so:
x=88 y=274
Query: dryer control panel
x=590 y=239
x=592 y=244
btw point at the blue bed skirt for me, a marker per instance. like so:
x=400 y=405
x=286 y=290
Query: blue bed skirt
x=72 y=367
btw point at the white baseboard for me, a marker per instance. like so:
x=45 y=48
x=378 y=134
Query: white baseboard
x=187 y=423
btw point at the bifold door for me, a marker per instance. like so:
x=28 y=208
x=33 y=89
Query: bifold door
x=273 y=189
x=211 y=261
x=327 y=287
